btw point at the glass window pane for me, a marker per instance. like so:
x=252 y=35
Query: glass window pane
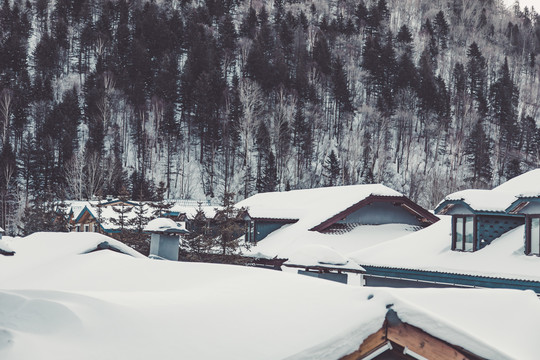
x=469 y=233
x=459 y=233
x=535 y=236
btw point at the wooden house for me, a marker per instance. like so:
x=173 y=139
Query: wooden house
x=342 y=218
x=478 y=217
x=330 y=210
x=484 y=241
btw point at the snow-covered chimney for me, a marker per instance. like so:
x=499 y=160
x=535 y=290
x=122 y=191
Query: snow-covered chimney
x=165 y=239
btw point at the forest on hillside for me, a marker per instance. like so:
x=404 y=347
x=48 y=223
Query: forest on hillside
x=207 y=97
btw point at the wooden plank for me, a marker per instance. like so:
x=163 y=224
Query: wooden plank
x=424 y=344
x=372 y=342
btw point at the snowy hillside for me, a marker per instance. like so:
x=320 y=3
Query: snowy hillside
x=197 y=99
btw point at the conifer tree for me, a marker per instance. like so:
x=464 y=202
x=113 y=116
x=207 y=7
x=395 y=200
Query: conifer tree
x=476 y=71
x=478 y=151
x=229 y=229
x=122 y=211
x=161 y=205
x=332 y=170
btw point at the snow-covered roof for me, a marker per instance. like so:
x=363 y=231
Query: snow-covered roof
x=321 y=256
x=36 y=252
x=188 y=207
x=65 y=307
x=164 y=225
x=484 y=200
x=429 y=249
x=311 y=206
x=291 y=238
x=525 y=184
x=191 y=208
x=501 y=197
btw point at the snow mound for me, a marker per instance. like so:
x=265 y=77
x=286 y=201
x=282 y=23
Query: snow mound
x=5 y=248
x=164 y=225
x=525 y=184
x=77 y=300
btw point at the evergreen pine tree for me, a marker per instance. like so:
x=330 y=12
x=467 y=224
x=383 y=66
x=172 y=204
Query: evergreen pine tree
x=478 y=151
x=331 y=170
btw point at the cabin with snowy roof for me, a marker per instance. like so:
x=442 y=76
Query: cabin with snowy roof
x=486 y=239
x=480 y=216
x=331 y=210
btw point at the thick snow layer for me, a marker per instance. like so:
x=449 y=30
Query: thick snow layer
x=484 y=200
x=39 y=251
x=311 y=206
x=164 y=225
x=4 y=246
x=106 y=305
x=502 y=196
x=291 y=238
x=527 y=183
x=322 y=256
x=430 y=249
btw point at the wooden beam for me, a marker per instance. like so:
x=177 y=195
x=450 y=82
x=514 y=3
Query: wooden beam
x=423 y=343
x=372 y=343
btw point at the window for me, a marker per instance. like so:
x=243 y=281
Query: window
x=464 y=233
x=86 y=228
x=250 y=231
x=534 y=236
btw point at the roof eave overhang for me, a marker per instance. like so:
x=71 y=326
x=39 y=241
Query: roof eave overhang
x=423 y=214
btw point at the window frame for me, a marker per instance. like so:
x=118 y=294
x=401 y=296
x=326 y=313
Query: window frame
x=528 y=235
x=463 y=232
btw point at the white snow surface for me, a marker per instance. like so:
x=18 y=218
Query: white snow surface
x=322 y=256
x=283 y=243
x=163 y=225
x=484 y=200
x=311 y=206
x=4 y=245
x=107 y=305
x=522 y=184
x=502 y=196
x=430 y=249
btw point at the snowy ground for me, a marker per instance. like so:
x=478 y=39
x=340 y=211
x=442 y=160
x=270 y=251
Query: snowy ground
x=59 y=301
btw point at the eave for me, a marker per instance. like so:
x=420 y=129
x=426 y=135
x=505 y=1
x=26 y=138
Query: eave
x=408 y=342
x=247 y=216
x=422 y=214
x=447 y=205
x=451 y=278
x=322 y=268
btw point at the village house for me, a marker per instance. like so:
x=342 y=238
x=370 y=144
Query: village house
x=343 y=218
x=105 y=217
x=486 y=239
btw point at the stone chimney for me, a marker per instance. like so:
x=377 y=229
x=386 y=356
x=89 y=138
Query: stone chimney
x=165 y=239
